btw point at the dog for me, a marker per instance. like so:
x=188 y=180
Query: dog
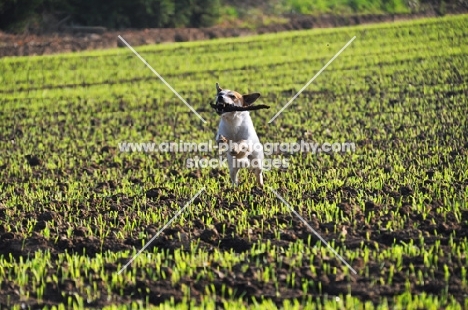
x=237 y=134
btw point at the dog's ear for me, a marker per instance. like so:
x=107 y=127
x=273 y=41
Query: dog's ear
x=218 y=89
x=250 y=98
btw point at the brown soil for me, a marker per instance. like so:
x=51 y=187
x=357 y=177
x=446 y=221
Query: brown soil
x=220 y=236
x=27 y=44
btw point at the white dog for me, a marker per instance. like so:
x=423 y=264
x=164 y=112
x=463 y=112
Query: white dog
x=236 y=134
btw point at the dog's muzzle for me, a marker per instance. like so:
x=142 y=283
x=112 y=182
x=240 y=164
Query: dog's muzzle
x=219 y=106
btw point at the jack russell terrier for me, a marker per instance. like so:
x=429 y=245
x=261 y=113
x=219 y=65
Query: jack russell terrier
x=236 y=133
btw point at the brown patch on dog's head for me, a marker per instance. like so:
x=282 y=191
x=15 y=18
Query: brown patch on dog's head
x=226 y=96
x=229 y=97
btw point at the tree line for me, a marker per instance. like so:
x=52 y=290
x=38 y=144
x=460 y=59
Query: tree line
x=114 y=14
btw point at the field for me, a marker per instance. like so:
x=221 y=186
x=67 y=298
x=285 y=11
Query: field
x=75 y=208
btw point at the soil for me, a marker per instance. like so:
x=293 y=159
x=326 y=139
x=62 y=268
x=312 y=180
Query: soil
x=241 y=278
x=63 y=42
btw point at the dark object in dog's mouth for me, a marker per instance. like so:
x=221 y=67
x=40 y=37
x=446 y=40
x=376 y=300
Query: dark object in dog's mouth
x=225 y=108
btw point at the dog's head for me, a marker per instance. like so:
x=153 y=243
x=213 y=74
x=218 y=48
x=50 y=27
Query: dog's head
x=226 y=97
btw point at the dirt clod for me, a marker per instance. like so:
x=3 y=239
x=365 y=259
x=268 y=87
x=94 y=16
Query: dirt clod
x=33 y=160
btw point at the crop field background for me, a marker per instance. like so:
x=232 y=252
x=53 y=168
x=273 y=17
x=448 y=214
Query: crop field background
x=75 y=208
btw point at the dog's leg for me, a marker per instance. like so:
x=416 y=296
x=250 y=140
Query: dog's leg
x=233 y=169
x=258 y=176
x=241 y=149
x=233 y=173
x=221 y=139
x=256 y=165
x=221 y=142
